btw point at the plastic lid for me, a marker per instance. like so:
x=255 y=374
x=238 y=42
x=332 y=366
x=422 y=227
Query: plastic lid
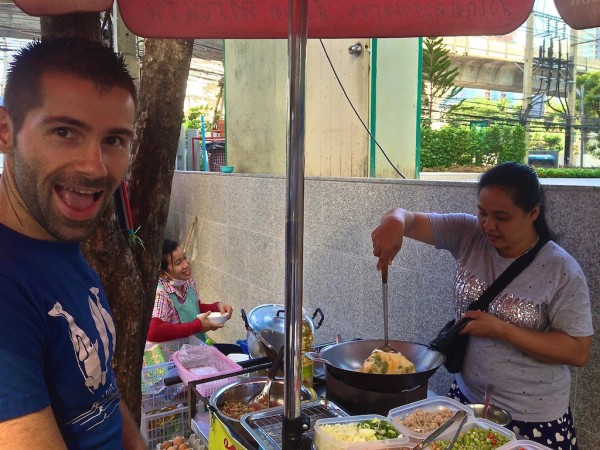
x=237 y=357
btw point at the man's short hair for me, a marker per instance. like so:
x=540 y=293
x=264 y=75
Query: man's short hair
x=86 y=59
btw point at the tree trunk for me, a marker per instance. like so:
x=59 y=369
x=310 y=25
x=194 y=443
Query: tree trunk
x=83 y=25
x=110 y=255
x=163 y=86
x=129 y=272
x=160 y=114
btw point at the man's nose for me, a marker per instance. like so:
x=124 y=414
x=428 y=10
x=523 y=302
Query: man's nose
x=91 y=160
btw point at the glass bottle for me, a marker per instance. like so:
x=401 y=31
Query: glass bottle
x=307 y=363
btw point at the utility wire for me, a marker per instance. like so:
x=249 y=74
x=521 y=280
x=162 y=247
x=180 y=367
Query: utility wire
x=355 y=111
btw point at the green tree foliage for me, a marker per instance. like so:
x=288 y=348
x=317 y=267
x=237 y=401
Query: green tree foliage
x=193 y=117
x=590 y=82
x=591 y=99
x=475 y=146
x=503 y=112
x=547 y=141
x=477 y=109
x=438 y=77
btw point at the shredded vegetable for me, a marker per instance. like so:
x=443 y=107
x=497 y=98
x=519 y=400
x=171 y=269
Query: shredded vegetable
x=364 y=431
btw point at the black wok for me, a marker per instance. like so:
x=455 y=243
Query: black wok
x=344 y=359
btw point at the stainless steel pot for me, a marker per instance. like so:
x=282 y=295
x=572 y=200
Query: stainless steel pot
x=344 y=359
x=265 y=327
x=244 y=390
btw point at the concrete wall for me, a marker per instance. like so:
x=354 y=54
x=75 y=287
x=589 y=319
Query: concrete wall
x=396 y=115
x=237 y=250
x=336 y=143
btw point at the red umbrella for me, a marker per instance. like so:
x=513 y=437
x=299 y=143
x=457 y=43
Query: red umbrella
x=326 y=18
x=315 y=19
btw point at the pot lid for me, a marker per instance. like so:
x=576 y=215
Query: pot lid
x=272 y=317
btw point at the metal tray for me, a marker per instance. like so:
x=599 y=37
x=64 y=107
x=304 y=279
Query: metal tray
x=265 y=426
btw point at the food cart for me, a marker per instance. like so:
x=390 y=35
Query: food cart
x=296 y=21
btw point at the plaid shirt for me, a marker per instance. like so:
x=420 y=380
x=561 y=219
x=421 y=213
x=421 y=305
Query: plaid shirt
x=163 y=306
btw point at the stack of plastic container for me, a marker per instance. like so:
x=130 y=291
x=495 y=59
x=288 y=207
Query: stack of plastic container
x=501 y=437
x=397 y=416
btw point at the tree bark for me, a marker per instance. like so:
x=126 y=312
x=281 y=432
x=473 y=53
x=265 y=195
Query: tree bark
x=163 y=86
x=129 y=272
x=82 y=25
x=160 y=114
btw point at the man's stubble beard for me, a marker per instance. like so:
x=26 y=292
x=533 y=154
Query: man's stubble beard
x=38 y=203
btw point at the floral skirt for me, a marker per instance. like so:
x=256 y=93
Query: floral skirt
x=558 y=434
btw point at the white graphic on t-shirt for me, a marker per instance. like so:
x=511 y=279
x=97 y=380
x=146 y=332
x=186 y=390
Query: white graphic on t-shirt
x=99 y=410
x=92 y=368
x=103 y=320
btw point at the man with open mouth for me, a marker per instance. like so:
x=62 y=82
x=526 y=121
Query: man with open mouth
x=65 y=130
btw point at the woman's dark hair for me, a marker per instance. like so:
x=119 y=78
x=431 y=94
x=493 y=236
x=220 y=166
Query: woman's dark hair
x=168 y=248
x=522 y=184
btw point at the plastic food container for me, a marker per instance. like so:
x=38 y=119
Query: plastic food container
x=203 y=361
x=429 y=405
x=524 y=445
x=484 y=424
x=325 y=441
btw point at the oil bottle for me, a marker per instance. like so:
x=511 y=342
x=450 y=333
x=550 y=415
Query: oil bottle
x=307 y=363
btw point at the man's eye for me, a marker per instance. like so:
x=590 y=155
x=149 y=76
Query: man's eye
x=63 y=132
x=114 y=140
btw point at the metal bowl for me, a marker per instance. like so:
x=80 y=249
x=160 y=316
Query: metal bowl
x=495 y=413
x=245 y=390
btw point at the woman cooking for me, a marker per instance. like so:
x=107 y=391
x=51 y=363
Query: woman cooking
x=178 y=311
x=536 y=327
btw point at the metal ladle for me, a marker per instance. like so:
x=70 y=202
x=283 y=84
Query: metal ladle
x=386 y=347
x=489 y=390
x=458 y=415
x=263 y=398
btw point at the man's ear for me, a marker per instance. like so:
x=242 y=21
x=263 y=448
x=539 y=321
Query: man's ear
x=6 y=132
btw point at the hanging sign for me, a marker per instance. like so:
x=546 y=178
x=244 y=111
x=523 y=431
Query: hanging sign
x=219 y=436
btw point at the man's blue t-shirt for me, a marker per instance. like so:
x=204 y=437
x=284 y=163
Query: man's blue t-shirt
x=57 y=341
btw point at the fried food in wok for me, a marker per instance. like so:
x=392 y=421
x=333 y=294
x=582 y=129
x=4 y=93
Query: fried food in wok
x=387 y=363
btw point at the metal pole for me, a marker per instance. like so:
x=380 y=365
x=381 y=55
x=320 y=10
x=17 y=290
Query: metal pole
x=297 y=33
x=204 y=153
x=581 y=126
x=528 y=76
x=570 y=94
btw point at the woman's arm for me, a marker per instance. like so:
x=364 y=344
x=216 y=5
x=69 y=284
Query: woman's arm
x=208 y=307
x=221 y=307
x=395 y=225
x=161 y=331
x=554 y=347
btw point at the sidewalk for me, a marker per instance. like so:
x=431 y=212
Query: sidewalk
x=473 y=177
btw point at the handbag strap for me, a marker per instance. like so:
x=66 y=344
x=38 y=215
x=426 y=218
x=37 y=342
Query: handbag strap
x=509 y=274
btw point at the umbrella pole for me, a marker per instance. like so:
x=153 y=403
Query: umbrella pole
x=293 y=423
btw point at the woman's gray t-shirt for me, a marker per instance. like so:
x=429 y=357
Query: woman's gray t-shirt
x=551 y=294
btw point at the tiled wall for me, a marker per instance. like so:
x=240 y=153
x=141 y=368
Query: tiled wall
x=238 y=255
